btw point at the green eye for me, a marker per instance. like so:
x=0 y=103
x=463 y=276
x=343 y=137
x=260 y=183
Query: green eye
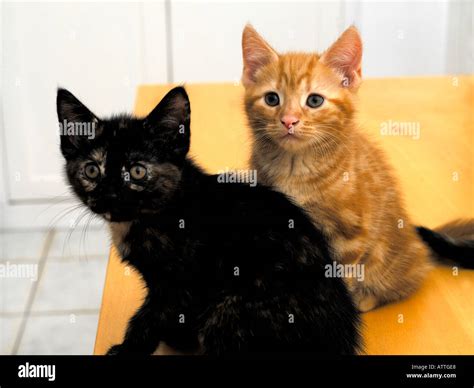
x=314 y=100
x=272 y=99
x=91 y=170
x=137 y=172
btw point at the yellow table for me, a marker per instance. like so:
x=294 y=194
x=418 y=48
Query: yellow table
x=436 y=173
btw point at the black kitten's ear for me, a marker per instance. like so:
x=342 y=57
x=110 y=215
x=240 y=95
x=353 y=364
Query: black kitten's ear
x=77 y=124
x=170 y=121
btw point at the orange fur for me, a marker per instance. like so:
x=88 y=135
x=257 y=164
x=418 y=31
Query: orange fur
x=329 y=166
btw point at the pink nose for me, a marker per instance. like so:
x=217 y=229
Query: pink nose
x=289 y=121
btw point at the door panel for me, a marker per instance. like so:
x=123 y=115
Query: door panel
x=95 y=50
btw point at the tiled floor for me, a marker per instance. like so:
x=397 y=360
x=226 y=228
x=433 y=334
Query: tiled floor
x=50 y=290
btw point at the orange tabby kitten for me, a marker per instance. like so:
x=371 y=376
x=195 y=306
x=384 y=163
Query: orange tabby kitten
x=306 y=144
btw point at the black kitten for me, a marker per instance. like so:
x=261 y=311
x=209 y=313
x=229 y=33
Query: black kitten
x=229 y=268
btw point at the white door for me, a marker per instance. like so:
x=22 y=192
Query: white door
x=207 y=35
x=100 y=52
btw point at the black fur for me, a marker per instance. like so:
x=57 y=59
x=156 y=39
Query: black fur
x=457 y=250
x=229 y=268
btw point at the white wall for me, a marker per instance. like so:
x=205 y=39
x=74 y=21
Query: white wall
x=207 y=38
x=401 y=38
x=102 y=51
x=404 y=38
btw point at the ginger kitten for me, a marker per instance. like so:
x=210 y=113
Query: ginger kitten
x=307 y=145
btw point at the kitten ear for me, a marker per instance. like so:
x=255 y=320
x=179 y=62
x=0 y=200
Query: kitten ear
x=345 y=57
x=256 y=53
x=77 y=123
x=170 y=121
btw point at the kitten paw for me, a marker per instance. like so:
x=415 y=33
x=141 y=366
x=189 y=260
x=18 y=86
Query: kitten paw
x=366 y=303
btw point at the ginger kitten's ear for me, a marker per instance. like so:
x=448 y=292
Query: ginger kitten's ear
x=345 y=57
x=256 y=53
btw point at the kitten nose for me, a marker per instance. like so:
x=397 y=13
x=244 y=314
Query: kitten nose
x=289 y=121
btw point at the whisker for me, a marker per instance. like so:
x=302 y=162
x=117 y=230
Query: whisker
x=73 y=228
x=56 y=202
x=63 y=213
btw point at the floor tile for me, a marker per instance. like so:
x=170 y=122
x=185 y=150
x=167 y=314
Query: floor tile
x=77 y=245
x=70 y=285
x=8 y=331
x=59 y=335
x=21 y=245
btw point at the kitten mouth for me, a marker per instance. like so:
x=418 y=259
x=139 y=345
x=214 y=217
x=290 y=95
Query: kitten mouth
x=116 y=217
x=290 y=136
x=107 y=216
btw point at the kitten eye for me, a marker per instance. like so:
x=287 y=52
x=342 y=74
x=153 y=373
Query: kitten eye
x=92 y=170
x=272 y=99
x=314 y=100
x=137 y=172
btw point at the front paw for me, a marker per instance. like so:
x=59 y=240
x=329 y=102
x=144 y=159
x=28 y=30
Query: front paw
x=116 y=350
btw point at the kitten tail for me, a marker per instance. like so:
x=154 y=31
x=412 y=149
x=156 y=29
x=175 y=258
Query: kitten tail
x=453 y=241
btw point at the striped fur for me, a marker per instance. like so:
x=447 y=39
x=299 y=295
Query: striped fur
x=329 y=166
